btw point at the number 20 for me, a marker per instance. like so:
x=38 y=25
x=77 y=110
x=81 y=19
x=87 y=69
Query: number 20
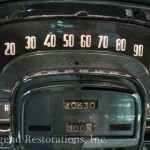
x=10 y=49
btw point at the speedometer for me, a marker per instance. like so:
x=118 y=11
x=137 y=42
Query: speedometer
x=74 y=78
x=68 y=34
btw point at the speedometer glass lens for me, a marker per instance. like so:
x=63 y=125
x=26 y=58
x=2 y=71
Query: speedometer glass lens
x=66 y=46
x=31 y=36
x=75 y=76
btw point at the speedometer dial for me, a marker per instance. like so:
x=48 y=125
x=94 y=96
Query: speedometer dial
x=67 y=34
x=79 y=74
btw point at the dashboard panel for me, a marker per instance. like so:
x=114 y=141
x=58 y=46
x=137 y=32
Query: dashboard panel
x=74 y=75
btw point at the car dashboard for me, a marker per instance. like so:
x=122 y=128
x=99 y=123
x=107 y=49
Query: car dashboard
x=74 y=75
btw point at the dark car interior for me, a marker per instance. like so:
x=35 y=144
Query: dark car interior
x=75 y=74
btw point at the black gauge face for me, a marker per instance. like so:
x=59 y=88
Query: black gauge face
x=79 y=73
x=46 y=35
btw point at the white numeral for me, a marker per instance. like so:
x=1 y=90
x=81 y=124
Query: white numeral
x=85 y=41
x=31 y=42
x=10 y=49
x=103 y=42
x=50 y=40
x=69 y=40
x=138 y=50
x=120 y=44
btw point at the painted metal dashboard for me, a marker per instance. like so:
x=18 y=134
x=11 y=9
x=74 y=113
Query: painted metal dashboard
x=89 y=60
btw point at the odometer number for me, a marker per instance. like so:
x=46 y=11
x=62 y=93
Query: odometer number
x=80 y=104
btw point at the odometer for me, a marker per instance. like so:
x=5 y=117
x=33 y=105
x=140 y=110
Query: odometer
x=80 y=104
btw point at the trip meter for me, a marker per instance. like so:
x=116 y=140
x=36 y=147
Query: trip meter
x=71 y=79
